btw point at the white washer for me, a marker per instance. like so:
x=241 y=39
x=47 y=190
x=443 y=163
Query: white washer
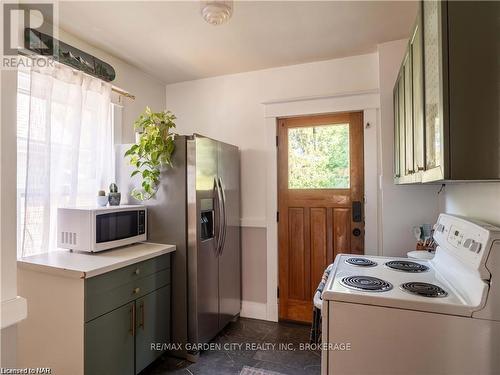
x=394 y=331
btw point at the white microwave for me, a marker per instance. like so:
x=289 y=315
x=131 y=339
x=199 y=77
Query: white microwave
x=95 y=229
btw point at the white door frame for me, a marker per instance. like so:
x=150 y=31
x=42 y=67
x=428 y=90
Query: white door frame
x=366 y=101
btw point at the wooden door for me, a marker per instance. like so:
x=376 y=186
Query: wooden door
x=320 y=187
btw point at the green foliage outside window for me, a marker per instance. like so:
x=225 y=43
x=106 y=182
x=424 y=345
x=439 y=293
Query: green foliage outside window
x=318 y=157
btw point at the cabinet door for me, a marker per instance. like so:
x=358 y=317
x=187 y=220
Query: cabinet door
x=401 y=117
x=431 y=14
x=417 y=70
x=152 y=325
x=397 y=167
x=408 y=118
x=109 y=343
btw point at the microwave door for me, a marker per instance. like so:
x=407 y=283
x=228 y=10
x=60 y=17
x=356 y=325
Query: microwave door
x=119 y=228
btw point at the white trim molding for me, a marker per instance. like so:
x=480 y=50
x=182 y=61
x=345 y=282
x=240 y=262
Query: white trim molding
x=366 y=101
x=253 y=222
x=315 y=105
x=13 y=311
x=254 y=310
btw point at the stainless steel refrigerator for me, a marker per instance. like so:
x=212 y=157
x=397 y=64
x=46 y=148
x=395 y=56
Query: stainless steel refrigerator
x=197 y=208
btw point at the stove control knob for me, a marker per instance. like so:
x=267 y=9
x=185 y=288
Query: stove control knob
x=475 y=247
x=472 y=245
x=439 y=228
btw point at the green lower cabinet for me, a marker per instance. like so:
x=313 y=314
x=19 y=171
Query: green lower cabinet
x=109 y=343
x=126 y=311
x=153 y=326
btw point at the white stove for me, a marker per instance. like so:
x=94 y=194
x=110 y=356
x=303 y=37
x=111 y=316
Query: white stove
x=412 y=316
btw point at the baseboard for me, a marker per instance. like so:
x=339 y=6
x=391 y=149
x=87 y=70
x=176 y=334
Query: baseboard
x=254 y=310
x=13 y=311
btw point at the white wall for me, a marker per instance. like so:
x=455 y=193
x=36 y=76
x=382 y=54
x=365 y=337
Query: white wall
x=475 y=200
x=148 y=91
x=402 y=206
x=230 y=108
x=8 y=273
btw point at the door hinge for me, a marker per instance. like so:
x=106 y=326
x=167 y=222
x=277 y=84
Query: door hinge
x=278 y=292
x=277 y=216
x=277 y=141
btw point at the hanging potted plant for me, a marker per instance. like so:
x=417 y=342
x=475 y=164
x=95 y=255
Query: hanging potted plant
x=152 y=151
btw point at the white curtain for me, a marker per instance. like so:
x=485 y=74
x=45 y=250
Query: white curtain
x=68 y=147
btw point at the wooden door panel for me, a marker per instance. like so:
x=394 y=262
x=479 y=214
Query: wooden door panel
x=341 y=231
x=318 y=245
x=296 y=254
x=316 y=221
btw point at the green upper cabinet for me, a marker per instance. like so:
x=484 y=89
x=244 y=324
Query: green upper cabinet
x=450 y=75
x=417 y=78
x=408 y=107
x=434 y=84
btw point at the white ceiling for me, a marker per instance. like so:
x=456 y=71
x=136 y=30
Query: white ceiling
x=171 y=41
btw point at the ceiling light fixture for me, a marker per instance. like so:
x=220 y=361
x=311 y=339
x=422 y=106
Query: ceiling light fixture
x=216 y=12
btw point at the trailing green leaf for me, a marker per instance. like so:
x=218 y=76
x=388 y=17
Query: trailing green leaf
x=153 y=151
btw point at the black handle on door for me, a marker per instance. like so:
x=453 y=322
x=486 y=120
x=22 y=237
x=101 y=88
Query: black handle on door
x=357 y=212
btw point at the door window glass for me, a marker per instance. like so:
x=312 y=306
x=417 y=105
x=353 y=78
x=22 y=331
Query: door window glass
x=318 y=157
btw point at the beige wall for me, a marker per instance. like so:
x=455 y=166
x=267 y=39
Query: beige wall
x=253 y=258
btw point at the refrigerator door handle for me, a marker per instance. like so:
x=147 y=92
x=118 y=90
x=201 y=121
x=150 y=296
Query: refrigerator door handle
x=224 y=216
x=217 y=216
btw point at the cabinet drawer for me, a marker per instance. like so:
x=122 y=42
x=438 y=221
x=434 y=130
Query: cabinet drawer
x=101 y=301
x=111 y=280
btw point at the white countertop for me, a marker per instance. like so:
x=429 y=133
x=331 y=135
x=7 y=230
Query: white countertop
x=84 y=265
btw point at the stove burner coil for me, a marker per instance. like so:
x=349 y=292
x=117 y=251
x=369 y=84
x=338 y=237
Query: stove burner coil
x=366 y=283
x=424 y=289
x=362 y=262
x=406 y=266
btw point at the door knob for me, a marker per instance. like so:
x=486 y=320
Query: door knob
x=356 y=232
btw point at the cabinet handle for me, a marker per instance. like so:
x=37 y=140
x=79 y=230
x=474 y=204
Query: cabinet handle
x=411 y=171
x=137 y=271
x=141 y=306
x=132 y=320
x=421 y=168
x=136 y=290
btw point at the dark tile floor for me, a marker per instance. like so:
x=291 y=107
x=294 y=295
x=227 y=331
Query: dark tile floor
x=255 y=343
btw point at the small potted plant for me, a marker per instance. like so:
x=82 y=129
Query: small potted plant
x=102 y=199
x=152 y=151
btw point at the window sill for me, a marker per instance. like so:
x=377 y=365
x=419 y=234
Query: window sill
x=13 y=311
